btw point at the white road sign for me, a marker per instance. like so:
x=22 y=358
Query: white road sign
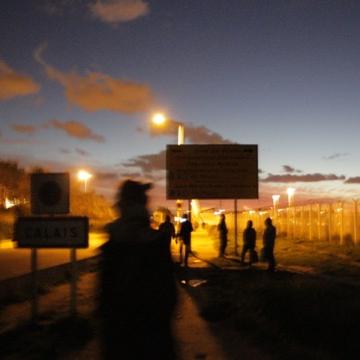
x=224 y=171
x=52 y=232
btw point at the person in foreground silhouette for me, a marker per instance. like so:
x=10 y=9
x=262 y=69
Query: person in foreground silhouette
x=223 y=231
x=249 y=243
x=269 y=237
x=168 y=228
x=138 y=292
x=185 y=239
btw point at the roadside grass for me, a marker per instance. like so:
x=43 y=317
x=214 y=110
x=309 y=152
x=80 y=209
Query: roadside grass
x=285 y=315
x=310 y=308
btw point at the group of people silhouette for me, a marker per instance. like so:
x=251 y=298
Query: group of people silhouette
x=249 y=242
x=184 y=236
x=138 y=292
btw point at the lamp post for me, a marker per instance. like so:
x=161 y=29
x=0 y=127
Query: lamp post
x=159 y=119
x=290 y=192
x=275 y=199
x=84 y=176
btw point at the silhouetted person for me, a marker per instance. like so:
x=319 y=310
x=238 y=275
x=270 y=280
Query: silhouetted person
x=223 y=231
x=269 y=237
x=185 y=239
x=168 y=228
x=138 y=292
x=249 y=242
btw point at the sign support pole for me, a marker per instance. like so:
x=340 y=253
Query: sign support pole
x=236 y=227
x=189 y=218
x=73 y=282
x=34 y=280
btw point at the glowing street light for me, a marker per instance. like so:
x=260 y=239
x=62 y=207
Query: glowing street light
x=84 y=176
x=159 y=119
x=290 y=192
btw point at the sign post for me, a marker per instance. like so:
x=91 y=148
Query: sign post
x=235 y=227
x=34 y=280
x=224 y=171
x=50 y=196
x=73 y=284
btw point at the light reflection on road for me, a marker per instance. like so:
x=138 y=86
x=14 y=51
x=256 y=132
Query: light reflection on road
x=16 y=262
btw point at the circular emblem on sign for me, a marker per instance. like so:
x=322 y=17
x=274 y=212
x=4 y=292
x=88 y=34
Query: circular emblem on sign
x=50 y=193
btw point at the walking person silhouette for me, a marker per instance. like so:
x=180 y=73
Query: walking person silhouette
x=185 y=239
x=269 y=237
x=223 y=231
x=168 y=228
x=249 y=243
x=137 y=287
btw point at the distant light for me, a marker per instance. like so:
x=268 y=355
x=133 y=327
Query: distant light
x=9 y=204
x=159 y=119
x=219 y=211
x=84 y=175
x=290 y=191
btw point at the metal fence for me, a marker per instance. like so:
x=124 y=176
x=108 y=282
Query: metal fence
x=337 y=223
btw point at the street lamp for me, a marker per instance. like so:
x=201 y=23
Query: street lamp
x=275 y=199
x=159 y=119
x=84 y=176
x=290 y=192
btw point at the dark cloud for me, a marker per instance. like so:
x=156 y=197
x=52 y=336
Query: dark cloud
x=335 y=156
x=64 y=151
x=82 y=152
x=353 y=180
x=96 y=91
x=24 y=128
x=148 y=163
x=107 y=176
x=75 y=129
x=193 y=134
x=13 y=84
x=289 y=178
x=117 y=11
x=202 y=135
x=289 y=169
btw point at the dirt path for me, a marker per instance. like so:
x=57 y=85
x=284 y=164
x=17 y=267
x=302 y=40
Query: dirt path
x=194 y=338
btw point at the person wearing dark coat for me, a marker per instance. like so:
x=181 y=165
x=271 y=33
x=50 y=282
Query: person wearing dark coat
x=168 y=228
x=249 y=243
x=223 y=231
x=269 y=237
x=186 y=229
x=137 y=286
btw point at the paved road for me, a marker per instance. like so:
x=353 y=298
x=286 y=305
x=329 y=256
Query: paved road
x=15 y=262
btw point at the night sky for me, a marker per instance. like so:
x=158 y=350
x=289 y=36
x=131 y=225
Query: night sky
x=80 y=79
